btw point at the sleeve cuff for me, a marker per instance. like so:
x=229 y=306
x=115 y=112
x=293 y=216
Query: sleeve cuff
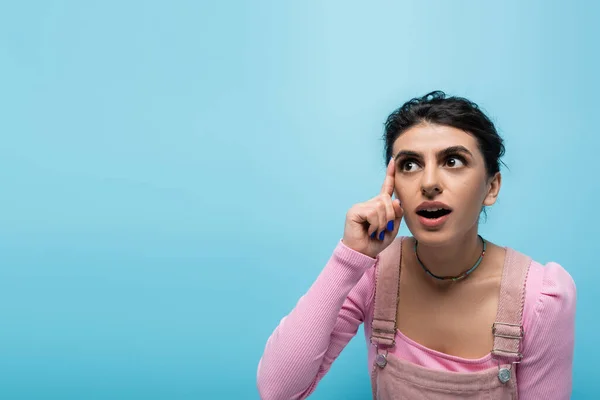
x=353 y=258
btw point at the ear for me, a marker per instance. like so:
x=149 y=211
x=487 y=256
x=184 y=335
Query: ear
x=494 y=184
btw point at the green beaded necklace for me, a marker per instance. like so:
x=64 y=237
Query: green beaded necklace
x=452 y=278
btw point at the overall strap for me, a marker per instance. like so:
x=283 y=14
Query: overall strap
x=508 y=328
x=387 y=292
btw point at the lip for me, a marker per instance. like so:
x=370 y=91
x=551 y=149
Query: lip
x=432 y=204
x=433 y=223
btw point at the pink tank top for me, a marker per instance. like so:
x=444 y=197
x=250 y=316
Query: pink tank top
x=393 y=378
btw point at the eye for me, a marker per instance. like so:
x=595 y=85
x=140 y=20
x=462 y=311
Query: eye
x=409 y=166
x=455 y=162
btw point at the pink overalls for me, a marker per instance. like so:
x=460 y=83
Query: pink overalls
x=393 y=378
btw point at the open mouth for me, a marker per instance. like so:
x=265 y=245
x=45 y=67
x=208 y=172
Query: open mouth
x=433 y=213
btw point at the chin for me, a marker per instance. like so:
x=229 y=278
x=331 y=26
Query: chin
x=431 y=236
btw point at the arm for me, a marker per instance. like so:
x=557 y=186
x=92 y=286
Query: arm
x=302 y=348
x=546 y=369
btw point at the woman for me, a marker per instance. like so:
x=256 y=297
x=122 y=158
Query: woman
x=448 y=314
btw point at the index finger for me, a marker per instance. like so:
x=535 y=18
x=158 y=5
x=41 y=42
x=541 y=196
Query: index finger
x=388 y=183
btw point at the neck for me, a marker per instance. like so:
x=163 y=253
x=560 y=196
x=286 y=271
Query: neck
x=451 y=259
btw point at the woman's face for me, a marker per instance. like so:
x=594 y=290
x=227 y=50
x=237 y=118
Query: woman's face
x=442 y=182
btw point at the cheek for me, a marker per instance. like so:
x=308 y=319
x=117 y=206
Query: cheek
x=472 y=192
x=404 y=187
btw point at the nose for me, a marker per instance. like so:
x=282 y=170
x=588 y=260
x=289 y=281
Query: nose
x=430 y=183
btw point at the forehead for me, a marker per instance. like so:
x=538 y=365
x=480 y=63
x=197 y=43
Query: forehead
x=424 y=138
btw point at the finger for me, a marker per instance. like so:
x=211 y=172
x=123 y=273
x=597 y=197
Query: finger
x=372 y=218
x=398 y=210
x=383 y=221
x=390 y=214
x=399 y=213
x=388 y=182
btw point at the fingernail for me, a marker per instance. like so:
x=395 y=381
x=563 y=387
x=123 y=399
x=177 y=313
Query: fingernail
x=390 y=226
x=373 y=234
x=381 y=235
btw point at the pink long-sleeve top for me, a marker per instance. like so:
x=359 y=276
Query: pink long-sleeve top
x=306 y=342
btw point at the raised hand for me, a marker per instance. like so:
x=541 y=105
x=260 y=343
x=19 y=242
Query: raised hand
x=372 y=226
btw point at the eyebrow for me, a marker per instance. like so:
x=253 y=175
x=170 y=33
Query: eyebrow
x=442 y=153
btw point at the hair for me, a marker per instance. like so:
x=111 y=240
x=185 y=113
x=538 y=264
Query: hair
x=457 y=112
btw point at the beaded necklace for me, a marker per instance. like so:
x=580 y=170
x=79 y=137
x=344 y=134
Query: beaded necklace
x=452 y=278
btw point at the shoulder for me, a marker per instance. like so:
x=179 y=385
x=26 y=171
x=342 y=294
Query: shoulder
x=550 y=302
x=549 y=288
x=549 y=332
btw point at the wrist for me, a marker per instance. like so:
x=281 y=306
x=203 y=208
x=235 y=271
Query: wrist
x=357 y=250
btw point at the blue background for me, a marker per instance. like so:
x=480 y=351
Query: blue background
x=174 y=175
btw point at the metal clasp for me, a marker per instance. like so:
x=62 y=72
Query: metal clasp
x=504 y=373
x=381 y=358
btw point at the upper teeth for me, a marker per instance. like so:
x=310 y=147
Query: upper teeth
x=433 y=209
